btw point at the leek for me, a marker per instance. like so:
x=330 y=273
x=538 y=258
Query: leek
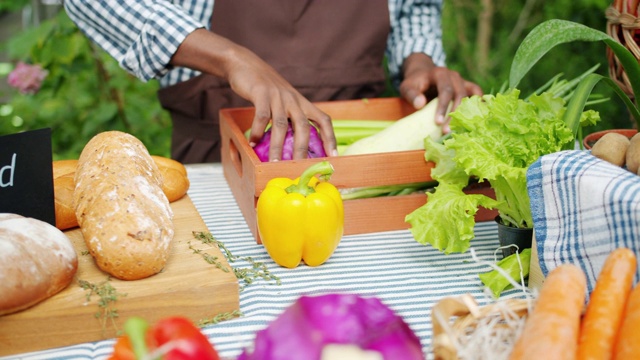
x=554 y=32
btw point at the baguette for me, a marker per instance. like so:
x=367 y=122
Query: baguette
x=174 y=175
x=125 y=217
x=175 y=185
x=63 y=187
x=36 y=262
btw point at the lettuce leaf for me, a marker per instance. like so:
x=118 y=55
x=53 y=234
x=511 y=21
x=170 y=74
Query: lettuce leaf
x=497 y=283
x=447 y=221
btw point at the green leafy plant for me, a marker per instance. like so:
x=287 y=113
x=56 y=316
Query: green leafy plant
x=496 y=138
x=554 y=32
x=481 y=37
x=85 y=92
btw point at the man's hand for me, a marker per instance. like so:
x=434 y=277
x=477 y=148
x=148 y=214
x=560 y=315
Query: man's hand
x=253 y=79
x=422 y=77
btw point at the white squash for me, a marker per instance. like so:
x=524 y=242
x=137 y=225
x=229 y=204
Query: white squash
x=405 y=134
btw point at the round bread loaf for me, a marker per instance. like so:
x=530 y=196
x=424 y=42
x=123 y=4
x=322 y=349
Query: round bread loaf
x=37 y=261
x=125 y=217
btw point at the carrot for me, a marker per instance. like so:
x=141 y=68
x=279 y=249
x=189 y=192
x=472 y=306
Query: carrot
x=552 y=328
x=606 y=305
x=628 y=339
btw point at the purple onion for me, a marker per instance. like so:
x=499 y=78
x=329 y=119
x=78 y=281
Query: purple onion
x=315 y=145
x=305 y=327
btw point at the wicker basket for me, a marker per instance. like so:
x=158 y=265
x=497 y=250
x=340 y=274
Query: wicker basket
x=453 y=317
x=623 y=25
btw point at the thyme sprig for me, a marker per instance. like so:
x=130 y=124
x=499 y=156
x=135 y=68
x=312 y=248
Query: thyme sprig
x=220 y=317
x=213 y=260
x=108 y=296
x=256 y=270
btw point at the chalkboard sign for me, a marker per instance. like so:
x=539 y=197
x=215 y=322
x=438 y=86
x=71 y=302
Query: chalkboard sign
x=26 y=175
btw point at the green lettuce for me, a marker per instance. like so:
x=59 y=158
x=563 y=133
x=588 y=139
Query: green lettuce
x=497 y=283
x=494 y=138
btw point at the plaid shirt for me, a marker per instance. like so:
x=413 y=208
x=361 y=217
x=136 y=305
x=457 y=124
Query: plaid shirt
x=142 y=38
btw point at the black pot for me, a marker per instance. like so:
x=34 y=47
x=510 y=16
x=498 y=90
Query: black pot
x=508 y=235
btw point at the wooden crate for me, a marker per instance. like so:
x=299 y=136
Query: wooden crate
x=247 y=175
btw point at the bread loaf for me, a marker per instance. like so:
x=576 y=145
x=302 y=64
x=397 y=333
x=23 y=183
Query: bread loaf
x=124 y=216
x=175 y=185
x=36 y=261
x=175 y=182
x=63 y=187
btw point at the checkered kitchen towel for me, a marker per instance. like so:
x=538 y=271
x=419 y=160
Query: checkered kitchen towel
x=583 y=208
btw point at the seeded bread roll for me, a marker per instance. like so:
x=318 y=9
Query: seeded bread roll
x=175 y=184
x=36 y=261
x=124 y=216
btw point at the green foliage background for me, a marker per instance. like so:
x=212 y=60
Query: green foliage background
x=86 y=92
x=481 y=38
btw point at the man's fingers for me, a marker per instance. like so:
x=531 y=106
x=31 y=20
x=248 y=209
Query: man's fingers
x=325 y=127
x=473 y=88
x=300 y=135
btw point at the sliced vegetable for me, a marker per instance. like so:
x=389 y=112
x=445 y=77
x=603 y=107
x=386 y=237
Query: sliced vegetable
x=301 y=219
x=552 y=328
x=172 y=338
x=405 y=134
x=311 y=328
x=607 y=302
x=316 y=148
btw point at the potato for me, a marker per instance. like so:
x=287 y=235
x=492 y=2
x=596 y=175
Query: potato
x=633 y=154
x=612 y=147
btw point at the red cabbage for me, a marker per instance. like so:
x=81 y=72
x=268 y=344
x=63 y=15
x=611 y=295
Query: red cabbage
x=309 y=324
x=316 y=149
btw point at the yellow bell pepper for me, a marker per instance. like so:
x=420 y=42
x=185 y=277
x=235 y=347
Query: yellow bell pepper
x=301 y=219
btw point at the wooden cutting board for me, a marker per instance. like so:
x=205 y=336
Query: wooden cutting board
x=188 y=286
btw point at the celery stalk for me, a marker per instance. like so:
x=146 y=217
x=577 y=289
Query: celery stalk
x=361 y=124
x=386 y=190
x=350 y=131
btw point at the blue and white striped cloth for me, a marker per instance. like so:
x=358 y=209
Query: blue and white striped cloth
x=407 y=276
x=583 y=208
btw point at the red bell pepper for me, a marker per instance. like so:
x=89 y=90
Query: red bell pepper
x=173 y=338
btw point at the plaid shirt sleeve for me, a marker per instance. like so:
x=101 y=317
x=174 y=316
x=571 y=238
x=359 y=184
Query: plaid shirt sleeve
x=415 y=28
x=141 y=35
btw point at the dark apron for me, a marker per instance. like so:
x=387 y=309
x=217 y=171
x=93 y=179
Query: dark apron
x=327 y=49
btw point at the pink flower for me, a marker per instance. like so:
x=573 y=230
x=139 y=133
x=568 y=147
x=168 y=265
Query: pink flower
x=27 y=78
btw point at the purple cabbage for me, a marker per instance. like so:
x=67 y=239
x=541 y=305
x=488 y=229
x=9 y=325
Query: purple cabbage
x=310 y=323
x=315 y=145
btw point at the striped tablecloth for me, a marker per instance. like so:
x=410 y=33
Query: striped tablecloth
x=407 y=276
